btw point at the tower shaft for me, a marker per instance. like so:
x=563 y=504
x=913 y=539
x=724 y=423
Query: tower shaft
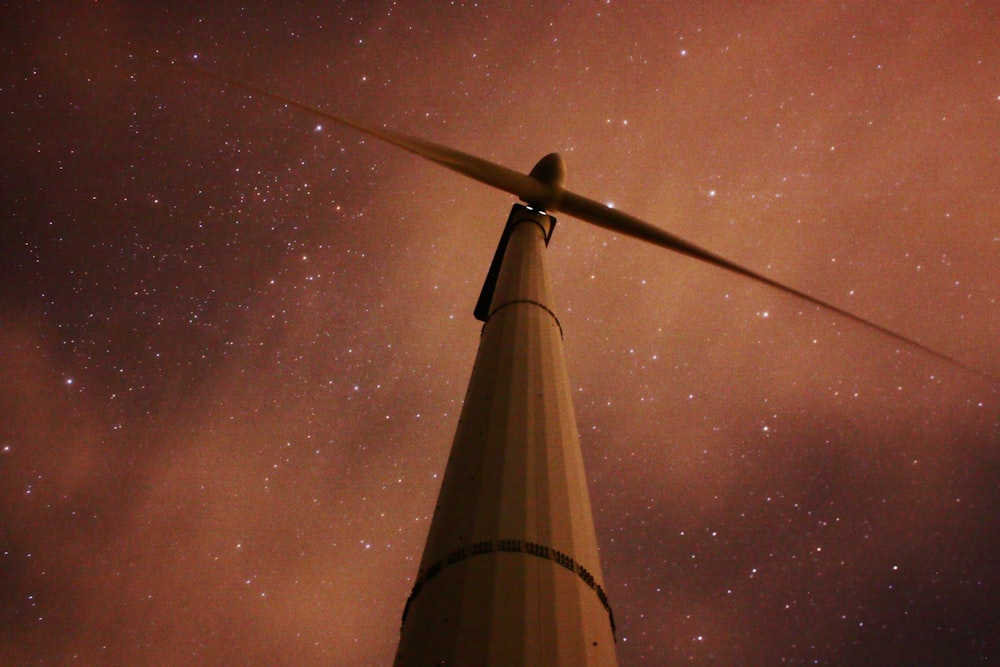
x=510 y=573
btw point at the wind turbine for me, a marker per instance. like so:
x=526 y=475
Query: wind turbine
x=510 y=573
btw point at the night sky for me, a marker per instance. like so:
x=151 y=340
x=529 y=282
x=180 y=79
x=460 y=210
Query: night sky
x=235 y=338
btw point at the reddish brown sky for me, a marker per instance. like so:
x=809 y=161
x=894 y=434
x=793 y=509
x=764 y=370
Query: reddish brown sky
x=234 y=340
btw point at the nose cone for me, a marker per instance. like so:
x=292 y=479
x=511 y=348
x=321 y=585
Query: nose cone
x=551 y=173
x=550 y=170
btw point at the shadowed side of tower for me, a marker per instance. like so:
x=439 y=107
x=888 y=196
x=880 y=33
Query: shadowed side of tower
x=510 y=574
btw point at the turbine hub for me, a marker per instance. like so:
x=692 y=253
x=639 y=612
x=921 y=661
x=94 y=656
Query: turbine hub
x=550 y=172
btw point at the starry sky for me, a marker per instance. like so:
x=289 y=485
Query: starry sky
x=234 y=338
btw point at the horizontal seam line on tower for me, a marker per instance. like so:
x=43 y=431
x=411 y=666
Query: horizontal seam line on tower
x=528 y=301
x=516 y=546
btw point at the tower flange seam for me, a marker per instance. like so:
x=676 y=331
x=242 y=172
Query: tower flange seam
x=528 y=301
x=515 y=546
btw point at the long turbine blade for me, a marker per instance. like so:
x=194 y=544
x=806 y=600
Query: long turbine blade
x=502 y=178
x=609 y=218
x=550 y=196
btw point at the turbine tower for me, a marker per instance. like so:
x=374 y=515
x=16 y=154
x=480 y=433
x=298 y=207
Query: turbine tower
x=510 y=574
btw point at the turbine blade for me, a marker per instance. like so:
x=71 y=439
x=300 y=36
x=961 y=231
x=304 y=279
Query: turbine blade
x=521 y=185
x=544 y=195
x=609 y=218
